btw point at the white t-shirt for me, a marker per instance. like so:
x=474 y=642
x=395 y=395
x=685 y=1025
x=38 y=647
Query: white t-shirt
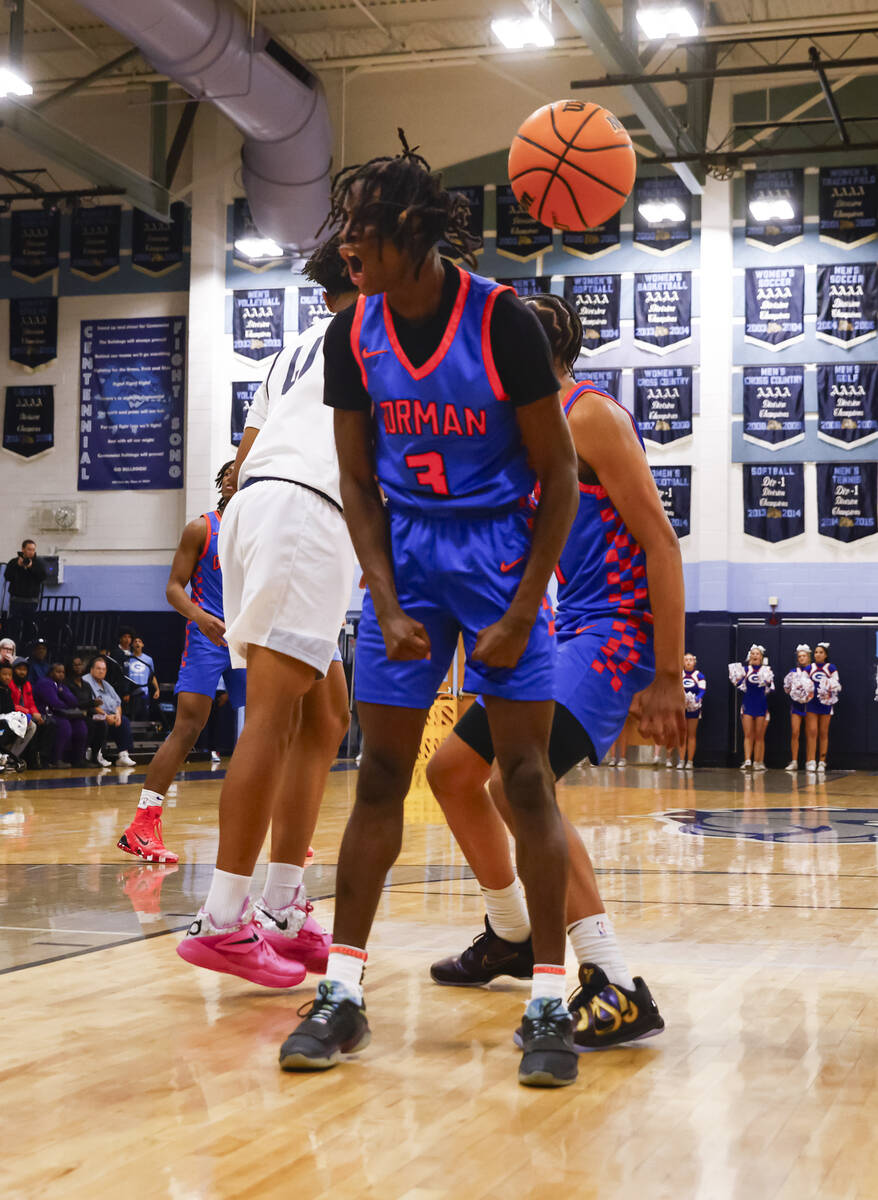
x=296 y=439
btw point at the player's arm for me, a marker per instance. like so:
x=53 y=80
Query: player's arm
x=248 y=437
x=185 y=559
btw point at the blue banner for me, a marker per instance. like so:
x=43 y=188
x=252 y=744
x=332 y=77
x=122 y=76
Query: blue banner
x=258 y=322
x=847 y=299
x=592 y=243
x=34 y=243
x=242 y=398
x=846 y=497
x=663 y=403
x=311 y=307
x=675 y=489
x=596 y=300
x=774 y=501
x=519 y=235
x=774 y=306
x=783 y=186
x=475 y=198
x=157 y=246
x=95 y=237
x=774 y=405
x=847 y=403
x=132 y=386
x=848 y=206
x=605 y=379
x=33 y=330
x=29 y=420
x=662 y=237
x=533 y=285
x=662 y=310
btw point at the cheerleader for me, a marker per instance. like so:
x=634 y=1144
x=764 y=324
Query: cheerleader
x=799 y=686
x=826 y=691
x=694 y=687
x=755 y=680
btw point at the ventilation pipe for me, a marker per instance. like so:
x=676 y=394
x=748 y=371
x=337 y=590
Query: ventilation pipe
x=276 y=102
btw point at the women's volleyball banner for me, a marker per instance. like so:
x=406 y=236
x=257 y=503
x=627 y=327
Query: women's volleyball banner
x=242 y=397
x=848 y=206
x=33 y=330
x=662 y=310
x=774 y=405
x=663 y=403
x=774 y=501
x=675 y=489
x=592 y=243
x=769 y=192
x=34 y=243
x=29 y=420
x=671 y=233
x=847 y=299
x=95 y=238
x=258 y=322
x=519 y=235
x=846 y=496
x=596 y=300
x=847 y=403
x=774 y=306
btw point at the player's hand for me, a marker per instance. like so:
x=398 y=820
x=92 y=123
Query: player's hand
x=660 y=710
x=405 y=639
x=213 y=628
x=503 y=643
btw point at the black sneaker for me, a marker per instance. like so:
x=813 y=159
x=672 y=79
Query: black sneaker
x=546 y=1038
x=487 y=957
x=334 y=1025
x=607 y=1014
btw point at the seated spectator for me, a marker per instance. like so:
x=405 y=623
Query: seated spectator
x=39 y=661
x=118 y=727
x=140 y=669
x=7 y=650
x=95 y=716
x=16 y=749
x=123 y=649
x=41 y=748
x=115 y=675
x=71 y=737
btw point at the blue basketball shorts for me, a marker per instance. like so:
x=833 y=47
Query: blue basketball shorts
x=203 y=665
x=456 y=576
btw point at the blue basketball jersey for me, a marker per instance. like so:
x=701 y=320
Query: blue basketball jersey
x=207 y=578
x=446 y=438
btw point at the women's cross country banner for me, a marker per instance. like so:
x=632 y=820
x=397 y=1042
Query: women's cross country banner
x=605 y=379
x=312 y=307
x=519 y=235
x=34 y=243
x=662 y=237
x=132 y=384
x=33 y=330
x=663 y=403
x=95 y=238
x=242 y=397
x=592 y=243
x=662 y=310
x=846 y=498
x=847 y=298
x=774 y=306
x=774 y=501
x=775 y=187
x=29 y=420
x=675 y=489
x=596 y=300
x=774 y=405
x=475 y=198
x=847 y=403
x=157 y=246
x=258 y=322
x=848 y=206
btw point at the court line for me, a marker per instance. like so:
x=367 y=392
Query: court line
x=109 y=780
x=46 y=929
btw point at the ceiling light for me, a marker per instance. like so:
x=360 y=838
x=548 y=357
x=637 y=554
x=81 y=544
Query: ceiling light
x=13 y=84
x=771 y=208
x=656 y=211
x=668 y=21
x=517 y=32
x=258 y=247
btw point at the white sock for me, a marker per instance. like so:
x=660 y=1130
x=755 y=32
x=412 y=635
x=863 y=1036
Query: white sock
x=507 y=912
x=548 y=981
x=150 y=799
x=281 y=884
x=594 y=941
x=226 y=897
x=345 y=966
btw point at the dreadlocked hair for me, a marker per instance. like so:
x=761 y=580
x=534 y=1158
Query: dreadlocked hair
x=218 y=482
x=561 y=325
x=403 y=200
x=327 y=268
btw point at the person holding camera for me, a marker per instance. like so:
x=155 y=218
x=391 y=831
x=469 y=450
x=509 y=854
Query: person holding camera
x=25 y=574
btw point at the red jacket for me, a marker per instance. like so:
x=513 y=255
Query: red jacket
x=24 y=698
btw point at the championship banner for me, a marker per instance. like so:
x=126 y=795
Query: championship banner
x=95 y=235
x=774 y=406
x=665 y=236
x=847 y=298
x=34 y=243
x=258 y=322
x=157 y=246
x=605 y=379
x=519 y=235
x=596 y=300
x=675 y=489
x=663 y=403
x=592 y=243
x=774 y=306
x=848 y=206
x=846 y=500
x=764 y=187
x=774 y=501
x=311 y=306
x=847 y=403
x=33 y=330
x=475 y=198
x=132 y=384
x=662 y=310
x=29 y=420
x=534 y=285
x=242 y=398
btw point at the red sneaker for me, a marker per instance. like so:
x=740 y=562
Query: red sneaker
x=143 y=837
x=143 y=887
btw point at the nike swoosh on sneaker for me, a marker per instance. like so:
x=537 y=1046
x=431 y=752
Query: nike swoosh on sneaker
x=506 y=567
x=281 y=925
x=490 y=963
x=244 y=941
x=143 y=841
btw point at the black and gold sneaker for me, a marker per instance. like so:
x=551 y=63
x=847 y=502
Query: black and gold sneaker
x=606 y=1014
x=488 y=957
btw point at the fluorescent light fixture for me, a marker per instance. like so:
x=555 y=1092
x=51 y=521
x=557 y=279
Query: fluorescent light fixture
x=517 y=32
x=656 y=211
x=13 y=84
x=771 y=208
x=665 y=21
x=258 y=247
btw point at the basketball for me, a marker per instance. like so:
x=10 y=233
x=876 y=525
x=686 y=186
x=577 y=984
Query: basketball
x=572 y=165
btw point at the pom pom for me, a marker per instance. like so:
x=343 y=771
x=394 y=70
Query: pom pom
x=693 y=702
x=736 y=674
x=828 y=691
x=766 y=677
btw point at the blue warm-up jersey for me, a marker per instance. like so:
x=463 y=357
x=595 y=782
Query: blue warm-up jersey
x=207 y=579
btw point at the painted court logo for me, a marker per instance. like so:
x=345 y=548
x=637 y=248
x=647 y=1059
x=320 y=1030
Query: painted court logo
x=816 y=824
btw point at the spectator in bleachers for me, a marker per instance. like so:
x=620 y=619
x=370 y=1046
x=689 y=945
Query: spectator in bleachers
x=25 y=574
x=71 y=731
x=40 y=749
x=123 y=649
x=118 y=727
x=7 y=650
x=95 y=717
x=38 y=663
x=140 y=669
x=18 y=747
x=115 y=676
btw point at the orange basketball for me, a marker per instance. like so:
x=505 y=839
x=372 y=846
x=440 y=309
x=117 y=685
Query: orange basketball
x=572 y=165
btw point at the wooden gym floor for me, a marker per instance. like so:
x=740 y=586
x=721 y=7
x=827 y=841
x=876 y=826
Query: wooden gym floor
x=127 y=1074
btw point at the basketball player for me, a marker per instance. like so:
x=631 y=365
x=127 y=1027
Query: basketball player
x=620 y=638
x=287 y=572
x=443 y=388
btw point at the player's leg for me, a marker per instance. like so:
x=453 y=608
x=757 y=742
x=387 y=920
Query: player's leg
x=747 y=724
x=759 y=724
x=795 y=735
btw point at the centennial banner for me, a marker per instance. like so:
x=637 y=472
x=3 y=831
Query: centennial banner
x=533 y=285
x=95 y=239
x=774 y=405
x=519 y=235
x=663 y=403
x=132 y=385
x=662 y=237
x=29 y=420
x=846 y=498
x=605 y=379
x=592 y=243
x=258 y=322
x=785 y=186
x=847 y=403
x=312 y=307
x=848 y=206
x=847 y=299
x=33 y=330
x=662 y=310
x=774 y=501
x=34 y=243
x=675 y=489
x=475 y=198
x=242 y=397
x=157 y=246
x=596 y=300
x=774 y=306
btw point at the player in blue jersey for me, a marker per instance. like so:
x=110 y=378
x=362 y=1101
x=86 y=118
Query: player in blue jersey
x=620 y=637
x=444 y=395
x=205 y=661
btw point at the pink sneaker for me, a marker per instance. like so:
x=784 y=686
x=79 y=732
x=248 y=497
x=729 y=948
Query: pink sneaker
x=238 y=949
x=294 y=934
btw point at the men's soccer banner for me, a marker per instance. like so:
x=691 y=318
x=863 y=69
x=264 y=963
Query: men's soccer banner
x=848 y=206
x=675 y=489
x=847 y=403
x=847 y=299
x=258 y=322
x=596 y=300
x=605 y=379
x=774 y=405
x=312 y=307
x=846 y=497
x=157 y=246
x=475 y=198
x=519 y=235
x=662 y=310
x=532 y=285
x=132 y=385
x=34 y=243
x=774 y=501
x=29 y=420
x=766 y=190
x=663 y=236
x=592 y=243
x=95 y=238
x=774 y=306
x=242 y=398
x=663 y=403
x=33 y=330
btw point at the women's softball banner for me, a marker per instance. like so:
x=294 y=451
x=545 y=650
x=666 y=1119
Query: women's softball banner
x=29 y=420
x=533 y=285
x=592 y=243
x=242 y=398
x=846 y=498
x=33 y=330
x=95 y=238
x=847 y=403
x=848 y=206
x=157 y=246
x=312 y=307
x=774 y=501
x=774 y=405
x=596 y=300
x=666 y=234
x=605 y=379
x=663 y=403
x=258 y=322
x=34 y=243
x=475 y=198
x=675 y=488
x=774 y=306
x=662 y=310
x=519 y=235
x=847 y=297
x=775 y=202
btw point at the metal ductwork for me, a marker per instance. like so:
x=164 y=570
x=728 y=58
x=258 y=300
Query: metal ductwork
x=275 y=101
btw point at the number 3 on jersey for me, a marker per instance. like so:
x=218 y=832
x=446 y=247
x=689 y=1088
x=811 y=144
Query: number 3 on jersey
x=430 y=470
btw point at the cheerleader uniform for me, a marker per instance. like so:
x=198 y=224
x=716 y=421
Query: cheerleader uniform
x=800 y=708
x=694 y=684
x=821 y=673
x=755 y=702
